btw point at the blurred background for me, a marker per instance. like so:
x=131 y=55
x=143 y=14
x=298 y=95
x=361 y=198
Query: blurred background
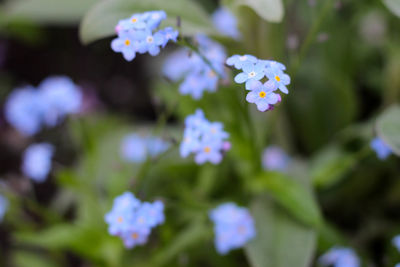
x=344 y=61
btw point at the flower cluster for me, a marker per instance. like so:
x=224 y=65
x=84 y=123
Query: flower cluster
x=199 y=74
x=132 y=220
x=138 y=34
x=226 y=23
x=340 y=257
x=28 y=109
x=37 y=161
x=382 y=150
x=137 y=148
x=275 y=159
x=3 y=206
x=205 y=139
x=253 y=71
x=233 y=227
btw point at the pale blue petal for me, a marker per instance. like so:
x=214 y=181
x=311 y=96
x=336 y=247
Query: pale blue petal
x=241 y=77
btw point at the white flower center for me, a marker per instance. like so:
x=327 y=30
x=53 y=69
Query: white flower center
x=242 y=58
x=149 y=39
x=252 y=74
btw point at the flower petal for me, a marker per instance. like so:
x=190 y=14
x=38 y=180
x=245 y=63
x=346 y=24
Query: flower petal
x=241 y=77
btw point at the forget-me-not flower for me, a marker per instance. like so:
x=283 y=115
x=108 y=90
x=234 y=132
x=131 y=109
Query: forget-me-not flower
x=262 y=95
x=340 y=257
x=225 y=22
x=279 y=79
x=275 y=159
x=396 y=242
x=239 y=60
x=233 y=227
x=136 y=148
x=381 y=149
x=251 y=72
x=37 y=161
x=133 y=220
x=207 y=140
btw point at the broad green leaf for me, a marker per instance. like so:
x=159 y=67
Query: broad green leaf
x=393 y=6
x=48 y=11
x=388 y=128
x=101 y=20
x=291 y=194
x=269 y=10
x=280 y=241
x=31 y=259
x=330 y=165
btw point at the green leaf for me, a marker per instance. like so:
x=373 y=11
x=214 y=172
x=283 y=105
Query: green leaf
x=291 y=194
x=388 y=128
x=330 y=165
x=280 y=241
x=269 y=10
x=101 y=20
x=393 y=6
x=31 y=259
x=48 y=11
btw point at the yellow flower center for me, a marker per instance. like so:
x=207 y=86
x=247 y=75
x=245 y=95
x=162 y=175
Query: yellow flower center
x=277 y=78
x=211 y=73
x=207 y=149
x=134 y=20
x=120 y=219
x=262 y=94
x=127 y=42
x=252 y=74
x=135 y=236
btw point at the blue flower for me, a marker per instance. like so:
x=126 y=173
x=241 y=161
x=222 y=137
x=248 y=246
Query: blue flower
x=262 y=95
x=340 y=257
x=37 y=161
x=60 y=97
x=233 y=227
x=137 y=34
x=168 y=34
x=397 y=265
x=3 y=207
x=396 y=242
x=273 y=64
x=23 y=110
x=382 y=150
x=226 y=23
x=136 y=148
x=27 y=108
x=133 y=220
x=238 y=61
x=279 y=78
x=197 y=74
x=251 y=72
x=274 y=158
x=207 y=140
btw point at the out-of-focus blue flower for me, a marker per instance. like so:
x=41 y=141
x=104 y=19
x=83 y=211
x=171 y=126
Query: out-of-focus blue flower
x=397 y=265
x=207 y=140
x=61 y=97
x=137 y=35
x=28 y=109
x=226 y=23
x=381 y=149
x=262 y=95
x=3 y=207
x=133 y=220
x=136 y=148
x=274 y=158
x=396 y=242
x=37 y=161
x=251 y=72
x=23 y=110
x=233 y=227
x=198 y=75
x=340 y=257
x=238 y=61
x=169 y=34
x=280 y=79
